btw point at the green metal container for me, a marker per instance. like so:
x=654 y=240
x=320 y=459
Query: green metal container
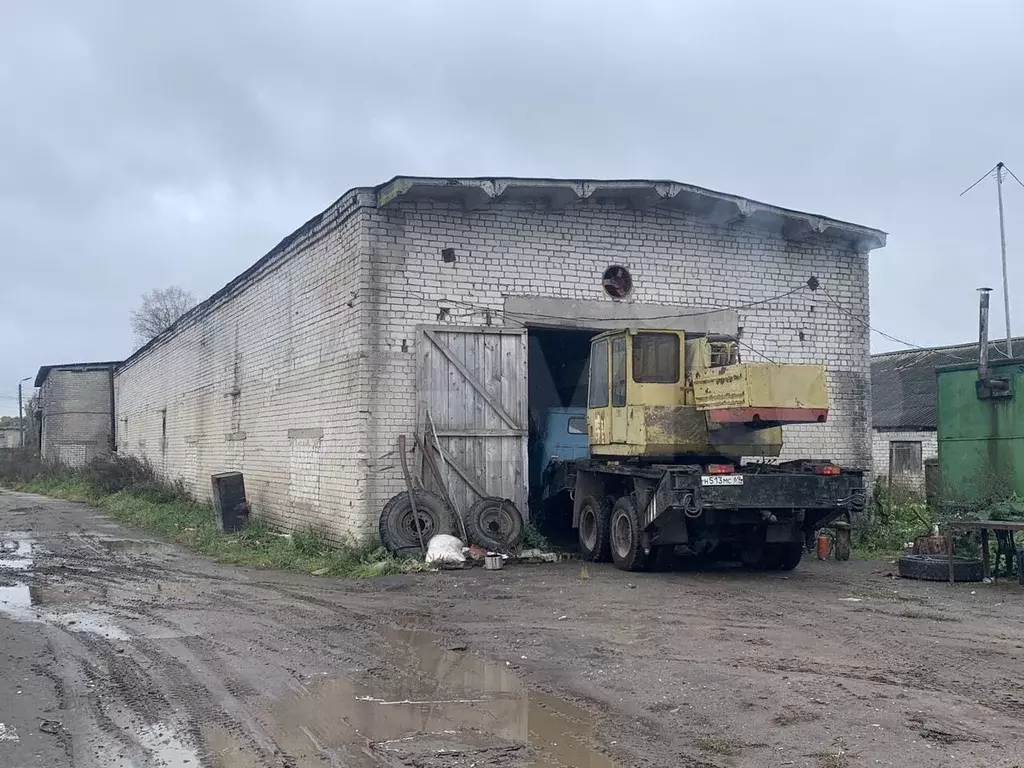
x=981 y=436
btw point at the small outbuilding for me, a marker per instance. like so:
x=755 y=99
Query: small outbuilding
x=472 y=301
x=76 y=411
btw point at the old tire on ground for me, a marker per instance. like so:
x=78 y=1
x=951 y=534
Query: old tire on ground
x=495 y=524
x=624 y=536
x=936 y=568
x=592 y=532
x=398 y=525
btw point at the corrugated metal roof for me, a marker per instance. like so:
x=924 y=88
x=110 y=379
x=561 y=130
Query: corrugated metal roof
x=903 y=386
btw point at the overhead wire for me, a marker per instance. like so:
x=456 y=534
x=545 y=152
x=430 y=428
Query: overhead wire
x=889 y=336
x=985 y=176
x=673 y=315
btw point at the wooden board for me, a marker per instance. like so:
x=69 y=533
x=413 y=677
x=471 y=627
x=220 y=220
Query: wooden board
x=473 y=382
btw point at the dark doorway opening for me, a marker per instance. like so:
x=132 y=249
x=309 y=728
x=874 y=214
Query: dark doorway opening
x=557 y=392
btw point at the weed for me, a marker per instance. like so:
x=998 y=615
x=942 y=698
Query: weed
x=916 y=613
x=131 y=492
x=795 y=717
x=896 y=516
x=534 y=539
x=715 y=746
x=834 y=760
x=584 y=573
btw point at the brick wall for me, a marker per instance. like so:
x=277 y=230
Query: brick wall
x=523 y=250
x=303 y=373
x=880 y=440
x=76 y=415
x=266 y=379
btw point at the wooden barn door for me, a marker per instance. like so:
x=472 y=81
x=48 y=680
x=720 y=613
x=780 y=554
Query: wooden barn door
x=473 y=382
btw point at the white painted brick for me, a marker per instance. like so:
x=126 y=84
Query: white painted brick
x=316 y=342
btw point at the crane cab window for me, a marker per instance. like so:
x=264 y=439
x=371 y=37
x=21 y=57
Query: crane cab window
x=618 y=372
x=656 y=358
x=598 y=394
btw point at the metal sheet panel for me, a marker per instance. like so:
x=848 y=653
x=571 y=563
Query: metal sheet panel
x=473 y=383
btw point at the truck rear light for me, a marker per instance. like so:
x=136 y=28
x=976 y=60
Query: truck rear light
x=828 y=469
x=720 y=469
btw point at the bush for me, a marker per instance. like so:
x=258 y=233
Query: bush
x=20 y=465
x=114 y=473
x=896 y=516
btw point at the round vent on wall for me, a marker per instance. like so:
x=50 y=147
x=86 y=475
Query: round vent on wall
x=617 y=282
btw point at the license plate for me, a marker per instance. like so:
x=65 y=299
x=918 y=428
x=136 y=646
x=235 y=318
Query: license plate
x=721 y=479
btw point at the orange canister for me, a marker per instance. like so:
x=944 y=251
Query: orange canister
x=824 y=546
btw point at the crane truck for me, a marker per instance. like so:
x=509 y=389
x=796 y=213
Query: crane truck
x=684 y=440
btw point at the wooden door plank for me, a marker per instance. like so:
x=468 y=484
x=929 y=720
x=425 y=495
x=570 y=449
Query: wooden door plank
x=466 y=476
x=471 y=379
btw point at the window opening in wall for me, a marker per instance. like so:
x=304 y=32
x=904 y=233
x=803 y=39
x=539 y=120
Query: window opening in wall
x=163 y=429
x=904 y=458
x=617 y=281
x=656 y=358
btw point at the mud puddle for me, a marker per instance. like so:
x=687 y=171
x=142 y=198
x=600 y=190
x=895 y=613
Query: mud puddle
x=435 y=707
x=133 y=546
x=22 y=601
x=16 y=554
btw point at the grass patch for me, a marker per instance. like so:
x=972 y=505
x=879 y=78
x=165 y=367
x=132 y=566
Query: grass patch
x=716 y=746
x=917 y=613
x=795 y=717
x=129 y=491
x=834 y=760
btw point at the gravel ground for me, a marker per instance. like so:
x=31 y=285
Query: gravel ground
x=119 y=650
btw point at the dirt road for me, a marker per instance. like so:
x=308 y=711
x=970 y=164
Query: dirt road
x=123 y=651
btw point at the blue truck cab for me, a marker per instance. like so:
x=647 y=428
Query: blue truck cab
x=563 y=437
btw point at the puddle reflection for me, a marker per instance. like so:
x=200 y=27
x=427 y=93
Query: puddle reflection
x=432 y=702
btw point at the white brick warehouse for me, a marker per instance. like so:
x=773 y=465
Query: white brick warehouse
x=304 y=370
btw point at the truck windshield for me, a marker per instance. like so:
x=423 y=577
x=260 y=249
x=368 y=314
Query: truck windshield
x=656 y=358
x=598 y=396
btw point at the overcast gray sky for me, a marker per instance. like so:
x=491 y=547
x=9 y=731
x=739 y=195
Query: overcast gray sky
x=145 y=144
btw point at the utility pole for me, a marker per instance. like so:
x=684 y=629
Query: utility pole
x=1002 y=246
x=21 y=417
x=1000 y=167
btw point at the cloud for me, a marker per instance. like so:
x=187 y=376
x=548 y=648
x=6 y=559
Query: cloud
x=144 y=146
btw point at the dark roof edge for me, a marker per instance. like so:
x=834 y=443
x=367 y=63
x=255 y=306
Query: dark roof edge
x=346 y=205
x=904 y=428
x=44 y=371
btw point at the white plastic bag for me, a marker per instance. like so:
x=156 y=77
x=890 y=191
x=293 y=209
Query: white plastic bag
x=445 y=549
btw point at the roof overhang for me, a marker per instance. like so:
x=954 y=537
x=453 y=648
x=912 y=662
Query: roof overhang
x=717 y=208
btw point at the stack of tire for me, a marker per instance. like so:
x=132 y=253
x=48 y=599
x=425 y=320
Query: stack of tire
x=493 y=523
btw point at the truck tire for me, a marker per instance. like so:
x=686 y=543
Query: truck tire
x=398 y=526
x=936 y=568
x=624 y=536
x=592 y=532
x=789 y=555
x=495 y=524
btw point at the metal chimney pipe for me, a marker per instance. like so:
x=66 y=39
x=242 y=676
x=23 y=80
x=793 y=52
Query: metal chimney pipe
x=983 y=334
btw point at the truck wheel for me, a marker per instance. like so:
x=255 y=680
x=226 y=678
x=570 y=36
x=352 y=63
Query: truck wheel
x=495 y=524
x=624 y=532
x=789 y=555
x=593 y=529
